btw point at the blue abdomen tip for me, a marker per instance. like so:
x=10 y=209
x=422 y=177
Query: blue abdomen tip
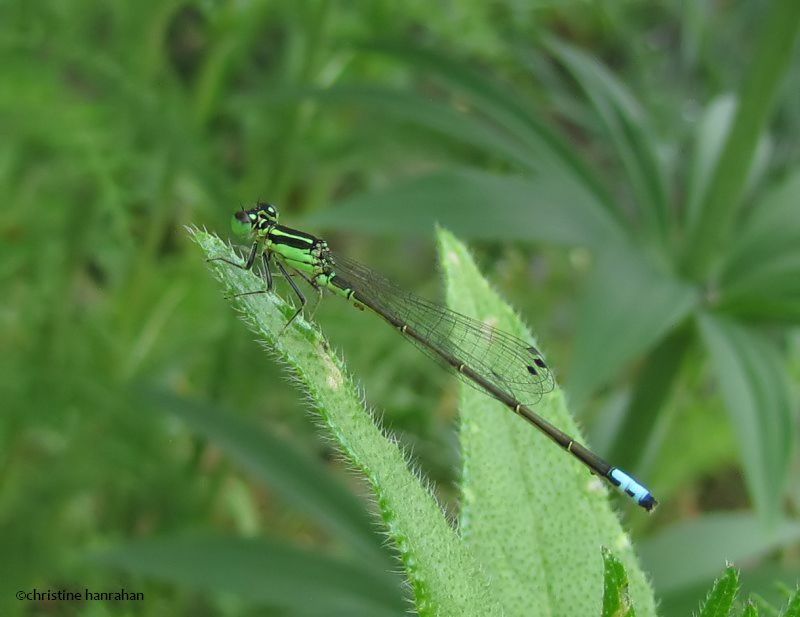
x=633 y=489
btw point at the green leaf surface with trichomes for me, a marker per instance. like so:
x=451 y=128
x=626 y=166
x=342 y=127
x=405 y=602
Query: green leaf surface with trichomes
x=792 y=608
x=719 y=601
x=754 y=384
x=445 y=578
x=750 y=610
x=533 y=515
x=616 y=600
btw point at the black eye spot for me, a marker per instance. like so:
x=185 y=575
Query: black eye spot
x=531 y=370
x=540 y=363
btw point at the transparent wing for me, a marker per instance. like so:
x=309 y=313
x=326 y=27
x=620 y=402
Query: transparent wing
x=511 y=364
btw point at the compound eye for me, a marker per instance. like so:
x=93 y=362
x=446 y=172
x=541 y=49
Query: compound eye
x=241 y=223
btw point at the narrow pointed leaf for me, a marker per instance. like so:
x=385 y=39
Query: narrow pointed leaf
x=504 y=108
x=479 y=204
x=778 y=34
x=755 y=387
x=627 y=308
x=709 y=141
x=690 y=552
x=436 y=116
x=626 y=124
x=532 y=514
x=306 y=485
x=262 y=572
x=651 y=390
x=762 y=274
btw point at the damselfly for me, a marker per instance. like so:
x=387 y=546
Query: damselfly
x=501 y=365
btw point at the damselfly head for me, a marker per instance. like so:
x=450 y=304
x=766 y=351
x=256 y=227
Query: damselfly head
x=260 y=217
x=267 y=211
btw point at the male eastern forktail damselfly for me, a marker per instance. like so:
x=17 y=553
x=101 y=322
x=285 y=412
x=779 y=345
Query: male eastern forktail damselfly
x=501 y=365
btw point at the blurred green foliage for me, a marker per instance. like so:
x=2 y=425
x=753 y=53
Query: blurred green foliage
x=628 y=174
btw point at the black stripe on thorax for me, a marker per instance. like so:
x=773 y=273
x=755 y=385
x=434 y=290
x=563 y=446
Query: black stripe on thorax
x=292 y=237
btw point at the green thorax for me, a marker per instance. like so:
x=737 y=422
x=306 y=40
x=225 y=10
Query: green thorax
x=306 y=253
x=298 y=249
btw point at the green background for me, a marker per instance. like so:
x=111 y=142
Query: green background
x=627 y=174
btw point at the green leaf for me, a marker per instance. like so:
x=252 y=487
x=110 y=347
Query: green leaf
x=479 y=204
x=651 y=390
x=503 y=108
x=709 y=140
x=460 y=126
x=691 y=552
x=627 y=308
x=762 y=274
x=750 y=610
x=616 y=601
x=262 y=572
x=792 y=608
x=779 y=29
x=626 y=124
x=755 y=388
x=762 y=583
x=532 y=514
x=720 y=599
x=308 y=486
x=445 y=578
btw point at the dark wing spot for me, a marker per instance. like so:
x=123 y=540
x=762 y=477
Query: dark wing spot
x=531 y=370
x=540 y=363
x=534 y=351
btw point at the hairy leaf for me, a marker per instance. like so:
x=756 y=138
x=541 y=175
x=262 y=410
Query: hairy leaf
x=444 y=577
x=719 y=601
x=535 y=517
x=616 y=601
